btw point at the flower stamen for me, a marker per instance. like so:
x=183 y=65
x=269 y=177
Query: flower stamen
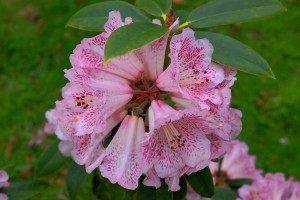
x=174 y=138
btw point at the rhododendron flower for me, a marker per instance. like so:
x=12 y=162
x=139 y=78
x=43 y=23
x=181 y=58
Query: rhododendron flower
x=154 y=139
x=236 y=164
x=3 y=183
x=271 y=187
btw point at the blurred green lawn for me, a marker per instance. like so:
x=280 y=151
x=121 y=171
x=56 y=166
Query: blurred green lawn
x=35 y=48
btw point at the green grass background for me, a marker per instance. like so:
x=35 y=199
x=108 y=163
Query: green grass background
x=35 y=48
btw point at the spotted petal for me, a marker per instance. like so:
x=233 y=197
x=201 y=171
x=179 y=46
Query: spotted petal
x=174 y=141
x=122 y=157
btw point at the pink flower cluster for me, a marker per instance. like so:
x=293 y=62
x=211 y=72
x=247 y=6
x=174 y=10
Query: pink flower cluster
x=271 y=187
x=3 y=183
x=154 y=138
x=238 y=164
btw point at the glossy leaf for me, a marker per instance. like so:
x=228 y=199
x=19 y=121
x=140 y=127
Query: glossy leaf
x=220 y=12
x=50 y=161
x=93 y=17
x=181 y=194
x=151 y=193
x=236 y=183
x=163 y=193
x=232 y=53
x=24 y=189
x=202 y=182
x=224 y=194
x=144 y=192
x=131 y=37
x=182 y=14
x=75 y=179
x=157 y=8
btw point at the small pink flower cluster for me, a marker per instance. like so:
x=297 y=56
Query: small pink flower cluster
x=271 y=187
x=154 y=138
x=238 y=164
x=3 y=183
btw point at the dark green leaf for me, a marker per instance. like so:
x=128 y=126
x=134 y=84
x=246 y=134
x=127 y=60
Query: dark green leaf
x=24 y=190
x=50 y=161
x=181 y=194
x=220 y=12
x=232 y=53
x=159 y=8
x=93 y=17
x=75 y=179
x=100 y=186
x=144 y=192
x=202 y=182
x=162 y=193
x=182 y=14
x=117 y=192
x=224 y=194
x=236 y=183
x=131 y=37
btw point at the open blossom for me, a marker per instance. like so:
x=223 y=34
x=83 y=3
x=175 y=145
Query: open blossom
x=3 y=183
x=154 y=139
x=271 y=187
x=236 y=164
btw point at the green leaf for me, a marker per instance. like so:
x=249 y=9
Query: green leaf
x=182 y=14
x=236 y=183
x=93 y=17
x=202 y=182
x=220 y=12
x=131 y=37
x=75 y=178
x=24 y=190
x=144 y=192
x=224 y=194
x=159 y=8
x=50 y=161
x=151 y=193
x=181 y=194
x=162 y=193
x=232 y=53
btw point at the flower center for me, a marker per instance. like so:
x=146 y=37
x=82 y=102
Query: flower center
x=173 y=136
x=143 y=93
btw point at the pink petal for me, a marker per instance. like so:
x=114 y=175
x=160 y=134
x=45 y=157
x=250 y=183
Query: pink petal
x=3 y=176
x=122 y=158
x=174 y=141
x=115 y=21
x=89 y=54
x=272 y=186
x=191 y=72
x=152 y=179
x=3 y=197
x=153 y=55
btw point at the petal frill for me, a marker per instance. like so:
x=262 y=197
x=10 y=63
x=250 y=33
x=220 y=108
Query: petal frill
x=152 y=179
x=115 y=21
x=122 y=161
x=174 y=141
